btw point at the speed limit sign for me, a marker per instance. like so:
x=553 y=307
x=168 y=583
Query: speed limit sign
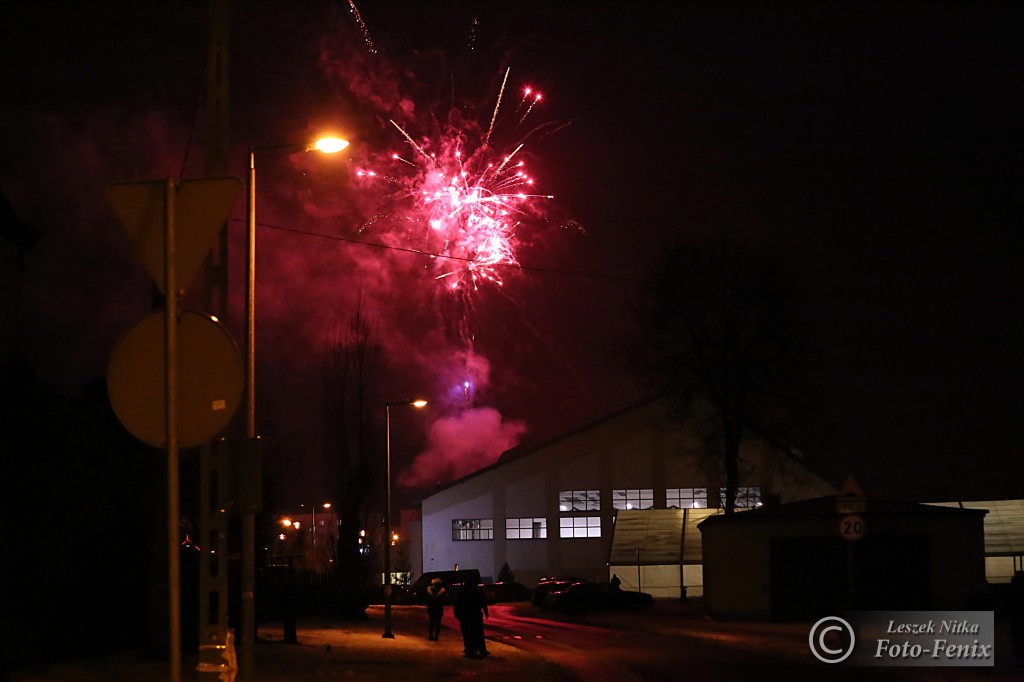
x=851 y=527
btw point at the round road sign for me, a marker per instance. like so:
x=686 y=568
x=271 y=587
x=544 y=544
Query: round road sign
x=851 y=527
x=210 y=379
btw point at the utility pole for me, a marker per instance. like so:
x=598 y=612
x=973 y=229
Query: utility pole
x=216 y=485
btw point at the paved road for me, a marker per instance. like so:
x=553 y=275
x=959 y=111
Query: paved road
x=699 y=650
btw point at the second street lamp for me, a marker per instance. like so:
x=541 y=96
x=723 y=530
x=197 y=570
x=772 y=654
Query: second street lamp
x=415 y=402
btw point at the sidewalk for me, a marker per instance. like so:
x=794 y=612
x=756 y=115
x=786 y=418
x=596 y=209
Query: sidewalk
x=331 y=651
x=356 y=651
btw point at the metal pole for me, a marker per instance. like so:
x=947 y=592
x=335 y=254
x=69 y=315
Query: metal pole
x=638 y=570
x=387 y=526
x=171 y=431
x=247 y=636
x=250 y=304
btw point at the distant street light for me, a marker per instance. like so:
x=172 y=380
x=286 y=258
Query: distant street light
x=325 y=505
x=417 y=403
x=247 y=639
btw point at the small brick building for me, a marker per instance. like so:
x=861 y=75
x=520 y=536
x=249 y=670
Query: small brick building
x=811 y=558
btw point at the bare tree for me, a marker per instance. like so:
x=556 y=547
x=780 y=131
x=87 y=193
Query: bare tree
x=721 y=343
x=352 y=367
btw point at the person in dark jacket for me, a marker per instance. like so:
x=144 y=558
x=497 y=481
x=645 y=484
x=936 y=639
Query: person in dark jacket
x=471 y=609
x=436 y=594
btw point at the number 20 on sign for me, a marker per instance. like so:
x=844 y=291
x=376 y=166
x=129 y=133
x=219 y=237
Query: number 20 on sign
x=851 y=527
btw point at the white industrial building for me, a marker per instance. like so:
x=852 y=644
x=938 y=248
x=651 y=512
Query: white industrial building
x=553 y=509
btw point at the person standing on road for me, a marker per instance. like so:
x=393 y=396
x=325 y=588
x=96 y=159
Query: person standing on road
x=436 y=594
x=471 y=609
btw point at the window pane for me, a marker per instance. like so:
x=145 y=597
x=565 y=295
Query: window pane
x=525 y=528
x=472 y=529
x=686 y=498
x=747 y=497
x=579 y=527
x=633 y=498
x=579 y=500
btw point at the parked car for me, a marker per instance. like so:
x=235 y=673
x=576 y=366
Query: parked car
x=399 y=594
x=506 y=591
x=596 y=596
x=545 y=586
x=452 y=580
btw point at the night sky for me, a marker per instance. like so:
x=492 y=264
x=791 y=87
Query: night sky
x=873 y=149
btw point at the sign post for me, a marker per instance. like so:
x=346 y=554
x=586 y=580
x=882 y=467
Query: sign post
x=150 y=213
x=851 y=504
x=171 y=427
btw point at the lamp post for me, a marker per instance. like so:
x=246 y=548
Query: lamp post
x=327 y=145
x=247 y=624
x=326 y=506
x=417 y=403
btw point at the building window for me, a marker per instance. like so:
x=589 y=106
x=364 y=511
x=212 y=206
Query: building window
x=472 y=529
x=747 y=497
x=686 y=498
x=579 y=527
x=526 y=528
x=579 y=500
x=633 y=498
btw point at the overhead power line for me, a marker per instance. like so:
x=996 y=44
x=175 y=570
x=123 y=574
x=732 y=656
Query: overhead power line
x=462 y=259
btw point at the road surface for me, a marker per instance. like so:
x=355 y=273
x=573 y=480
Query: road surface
x=699 y=649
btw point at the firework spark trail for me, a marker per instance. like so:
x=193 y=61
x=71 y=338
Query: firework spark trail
x=536 y=99
x=407 y=162
x=501 y=91
x=507 y=159
x=522 y=103
x=371 y=48
x=414 y=146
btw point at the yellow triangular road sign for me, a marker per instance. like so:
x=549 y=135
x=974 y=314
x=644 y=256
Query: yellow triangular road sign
x=201 y=207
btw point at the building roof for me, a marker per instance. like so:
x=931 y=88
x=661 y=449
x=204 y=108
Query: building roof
x=525 y=450
x=827 y=506
x=1004 y=524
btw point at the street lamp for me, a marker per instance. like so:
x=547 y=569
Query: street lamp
x=417 y=403
x=325 y=505
x=247 y=640
x=326 y=145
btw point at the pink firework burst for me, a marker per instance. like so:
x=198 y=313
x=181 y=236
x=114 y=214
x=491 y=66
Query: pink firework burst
x=468 y=197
